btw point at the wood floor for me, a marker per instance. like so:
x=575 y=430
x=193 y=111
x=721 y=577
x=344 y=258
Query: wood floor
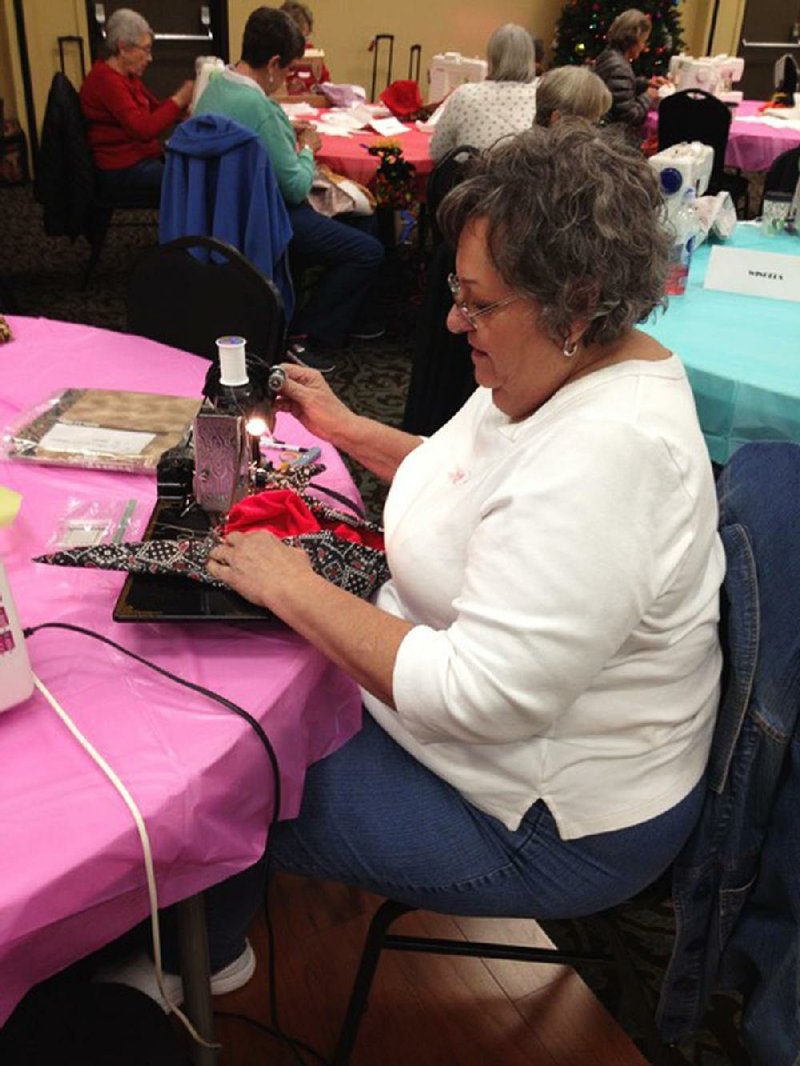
x=424 y=1010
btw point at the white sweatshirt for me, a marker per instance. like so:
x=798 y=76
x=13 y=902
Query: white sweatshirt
x=563 y=574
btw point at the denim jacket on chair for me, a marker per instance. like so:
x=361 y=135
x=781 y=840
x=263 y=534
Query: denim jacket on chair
x=737 y=881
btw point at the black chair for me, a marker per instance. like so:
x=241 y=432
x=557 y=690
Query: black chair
x=783 y=175
x=695 y=115
x=442 y=376
x=448 y=172
x=194 y=289
x=66 y=183
x=762 y=481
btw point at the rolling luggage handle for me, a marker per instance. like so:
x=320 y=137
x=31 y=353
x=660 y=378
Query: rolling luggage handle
x=375 y=49
x=414 y=62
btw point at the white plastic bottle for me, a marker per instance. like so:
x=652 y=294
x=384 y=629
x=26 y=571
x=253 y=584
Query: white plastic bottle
x=686 y=226
x=16 y=679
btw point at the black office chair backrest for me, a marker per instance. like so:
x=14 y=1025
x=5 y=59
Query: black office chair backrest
x=448 y=172
x=784 y=173
x=194 y=289
x=695 y=115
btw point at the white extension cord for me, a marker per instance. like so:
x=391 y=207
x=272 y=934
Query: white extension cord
x=141 y=828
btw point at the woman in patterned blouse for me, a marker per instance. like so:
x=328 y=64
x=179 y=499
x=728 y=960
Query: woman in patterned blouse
x=479 y=113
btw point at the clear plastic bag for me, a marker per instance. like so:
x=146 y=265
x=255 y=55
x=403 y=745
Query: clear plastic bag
x=101 y=429
x=86 y=523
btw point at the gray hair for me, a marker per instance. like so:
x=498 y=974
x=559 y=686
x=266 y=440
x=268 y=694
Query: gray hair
x=571 y=91
x=125 y=27
x=574 y=218
x=628 y=29
x=510 y=54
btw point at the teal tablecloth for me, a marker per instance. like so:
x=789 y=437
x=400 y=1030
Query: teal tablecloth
x=742 y=353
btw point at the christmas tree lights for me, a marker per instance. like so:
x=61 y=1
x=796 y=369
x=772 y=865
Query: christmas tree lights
x=583 y=24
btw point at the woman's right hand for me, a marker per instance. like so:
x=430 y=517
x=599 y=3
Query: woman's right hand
x=309 y=138
x=183 y=96
x=309 y=398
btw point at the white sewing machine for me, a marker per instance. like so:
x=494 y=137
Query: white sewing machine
x=682 y=166
x=715 y=74
x=448 y=70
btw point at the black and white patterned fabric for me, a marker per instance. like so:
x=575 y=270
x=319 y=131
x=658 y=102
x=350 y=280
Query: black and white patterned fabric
x=357 y=568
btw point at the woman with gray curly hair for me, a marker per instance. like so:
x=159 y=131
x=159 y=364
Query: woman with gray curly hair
x=479 y=113
x=541 y=671
x=125 y=119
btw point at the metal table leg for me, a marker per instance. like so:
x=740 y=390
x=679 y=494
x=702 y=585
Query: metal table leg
x=195 y=970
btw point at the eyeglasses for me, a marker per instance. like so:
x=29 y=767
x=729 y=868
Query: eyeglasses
x=469 y=315
x=147 y=48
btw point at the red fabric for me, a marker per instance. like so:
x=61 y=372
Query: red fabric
x=124 y=118
x=284 y=513
x=402 y=98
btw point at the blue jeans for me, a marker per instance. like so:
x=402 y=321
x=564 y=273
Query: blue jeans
x=374 y=817
x=139 y=184
x=352 y=256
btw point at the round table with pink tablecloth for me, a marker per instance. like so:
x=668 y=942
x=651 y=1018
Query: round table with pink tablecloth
x=752 y=145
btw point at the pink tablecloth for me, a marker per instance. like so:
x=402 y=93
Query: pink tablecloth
x=72 y=873
x=348 y=155
x=751 y=145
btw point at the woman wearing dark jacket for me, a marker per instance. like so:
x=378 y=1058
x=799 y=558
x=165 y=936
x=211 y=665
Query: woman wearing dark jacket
x=632 y=97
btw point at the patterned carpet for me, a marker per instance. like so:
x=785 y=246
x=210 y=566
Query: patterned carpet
x=43 y=277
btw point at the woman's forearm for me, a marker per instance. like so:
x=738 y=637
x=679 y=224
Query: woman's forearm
x=361 y=639
x=379 y=448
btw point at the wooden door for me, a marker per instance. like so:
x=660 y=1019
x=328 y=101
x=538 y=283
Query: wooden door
x=767 y=31
x=184 y=29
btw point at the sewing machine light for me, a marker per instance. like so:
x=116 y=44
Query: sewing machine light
x=256 y=426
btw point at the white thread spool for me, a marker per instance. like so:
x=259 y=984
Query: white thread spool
x=232 y=363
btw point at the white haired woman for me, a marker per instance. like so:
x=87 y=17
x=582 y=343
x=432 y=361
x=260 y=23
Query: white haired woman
x=479 y=113
x=125 y=118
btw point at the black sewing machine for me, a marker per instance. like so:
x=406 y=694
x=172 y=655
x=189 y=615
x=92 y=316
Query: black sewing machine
x=199 y=481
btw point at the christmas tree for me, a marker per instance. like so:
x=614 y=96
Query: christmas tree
x=583 y=24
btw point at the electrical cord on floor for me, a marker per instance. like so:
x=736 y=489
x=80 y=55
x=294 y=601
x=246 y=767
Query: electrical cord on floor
x=291 y=1042
x=144 y=839
x=269 y=1031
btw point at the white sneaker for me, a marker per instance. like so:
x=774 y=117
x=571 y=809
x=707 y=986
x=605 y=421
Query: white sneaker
x=139 y=971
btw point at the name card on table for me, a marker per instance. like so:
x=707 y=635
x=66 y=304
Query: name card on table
x=750 y=273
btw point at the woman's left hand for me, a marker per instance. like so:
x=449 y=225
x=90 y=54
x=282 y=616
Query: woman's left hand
x=258 y=566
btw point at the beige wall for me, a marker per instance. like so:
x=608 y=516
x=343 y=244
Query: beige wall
x=8 y=59
x=437 y=25
x=45 y=21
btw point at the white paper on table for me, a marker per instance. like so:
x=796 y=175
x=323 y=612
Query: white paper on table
x=325 y=129
x=300 y=110
x=430 y=125
x=94 y=440
x=345 y=119
x=768 y=120
x=388 y=127
x=752 y=273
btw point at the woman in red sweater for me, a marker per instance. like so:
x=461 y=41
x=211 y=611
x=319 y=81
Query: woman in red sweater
x=125 y=118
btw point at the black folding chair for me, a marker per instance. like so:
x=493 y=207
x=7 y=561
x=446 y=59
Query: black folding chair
x=695 y=115
x=194 y=289
x=783 y=175
x=66 y=182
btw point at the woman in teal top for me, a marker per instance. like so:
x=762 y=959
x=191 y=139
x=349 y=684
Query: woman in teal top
x=241 y=92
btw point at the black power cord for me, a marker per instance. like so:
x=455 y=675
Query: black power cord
x=291 y=1042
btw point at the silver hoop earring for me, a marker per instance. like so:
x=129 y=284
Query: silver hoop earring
x=570 y=348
